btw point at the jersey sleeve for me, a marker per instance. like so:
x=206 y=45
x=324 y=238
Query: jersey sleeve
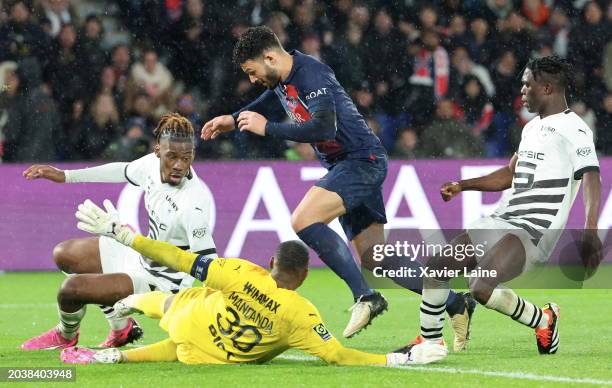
x=106 y=173
x=581 y=150
x=136 y=171
x=308 y=333
x=225 y=274
x=318 y=86
x=266 y=104
x=316 y=83
x=196 y=221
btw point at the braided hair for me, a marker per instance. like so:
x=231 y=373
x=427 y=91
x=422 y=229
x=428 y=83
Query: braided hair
x=175 y=127
x=553 y=69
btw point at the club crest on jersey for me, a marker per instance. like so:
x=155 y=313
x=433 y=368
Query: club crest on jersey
x=584 y=151
x=321 y=330
x=292 y=102
x=199 y=232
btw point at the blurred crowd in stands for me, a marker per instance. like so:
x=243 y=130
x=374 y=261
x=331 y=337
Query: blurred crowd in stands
x=88 y=80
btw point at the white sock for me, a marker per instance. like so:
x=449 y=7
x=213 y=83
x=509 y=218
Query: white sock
x=115 y=323
x=433 y=306
x=70 y=322
x=509 y=303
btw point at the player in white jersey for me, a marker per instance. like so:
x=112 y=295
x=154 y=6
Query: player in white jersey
x=103 y=271
x=556 y=153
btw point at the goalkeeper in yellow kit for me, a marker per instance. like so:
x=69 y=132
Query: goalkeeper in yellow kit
x=242 y=314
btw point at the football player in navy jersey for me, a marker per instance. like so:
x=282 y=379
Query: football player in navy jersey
x=322 y=114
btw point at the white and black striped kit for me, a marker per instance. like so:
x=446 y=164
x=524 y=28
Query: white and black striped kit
x=179 y=215
x=553 y=154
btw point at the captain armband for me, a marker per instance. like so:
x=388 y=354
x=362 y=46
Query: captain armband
x=199 y=269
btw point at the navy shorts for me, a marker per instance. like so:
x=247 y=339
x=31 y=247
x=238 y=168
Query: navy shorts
x=359 y=183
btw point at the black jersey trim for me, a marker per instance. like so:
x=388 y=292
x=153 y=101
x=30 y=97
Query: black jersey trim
x=127 y=177
x=550 y=183
x=535 y=221
x=545 y=184
x=578 y=174
x=526 y=164
x=536 y=199
x=205 y=252
x=536 y=234
x=534 y=211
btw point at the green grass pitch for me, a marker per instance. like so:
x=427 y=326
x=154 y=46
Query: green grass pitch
x=502 y=352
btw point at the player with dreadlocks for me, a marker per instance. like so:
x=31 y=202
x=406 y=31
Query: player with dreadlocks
x=103 y=271
x=555 y=155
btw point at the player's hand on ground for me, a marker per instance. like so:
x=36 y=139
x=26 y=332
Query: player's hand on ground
x=591 y=251
x=94 y=220
x=423 y=353
x=51 y=173
x=420 y=354
x=217 y=126
x=449 y=190
x=252 y=122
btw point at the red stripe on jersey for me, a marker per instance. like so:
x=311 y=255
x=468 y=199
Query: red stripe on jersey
x=299 y=113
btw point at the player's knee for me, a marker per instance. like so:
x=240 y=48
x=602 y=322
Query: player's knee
x=62 y=257
x=299 y=221
x=71 y=289
x=480 y=292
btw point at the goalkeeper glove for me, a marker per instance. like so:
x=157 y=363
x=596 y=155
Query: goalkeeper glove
x=423 y=353
x=94 y=220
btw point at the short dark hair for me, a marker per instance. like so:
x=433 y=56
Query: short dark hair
x=292 y=255
x=553 y=69
x=253 y=42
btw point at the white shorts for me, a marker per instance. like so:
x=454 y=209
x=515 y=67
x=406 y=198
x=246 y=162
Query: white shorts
x=488 y=231
x=117 y=258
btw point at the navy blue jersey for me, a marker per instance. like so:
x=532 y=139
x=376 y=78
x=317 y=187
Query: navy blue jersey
x=312 y=87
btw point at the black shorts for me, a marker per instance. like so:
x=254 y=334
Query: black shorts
x=359 y=183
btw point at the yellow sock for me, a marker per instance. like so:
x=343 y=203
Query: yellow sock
x=160 y=351
x=150 y=303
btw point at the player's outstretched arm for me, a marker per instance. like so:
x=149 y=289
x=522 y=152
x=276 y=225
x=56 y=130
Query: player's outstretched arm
x=498 y=180
x=39 y=171
x=425 y=354
x=93 y=219
x=160 y=351
x=164 y=253
x=321 y=127
x=309 y=334
x=106 y=173
x=266 y=104
x=217 y=126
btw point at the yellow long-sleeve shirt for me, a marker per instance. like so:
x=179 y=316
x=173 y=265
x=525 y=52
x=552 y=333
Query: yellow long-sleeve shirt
x=242 y=315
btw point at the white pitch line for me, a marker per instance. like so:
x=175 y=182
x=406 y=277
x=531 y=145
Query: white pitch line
x=509 y=375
